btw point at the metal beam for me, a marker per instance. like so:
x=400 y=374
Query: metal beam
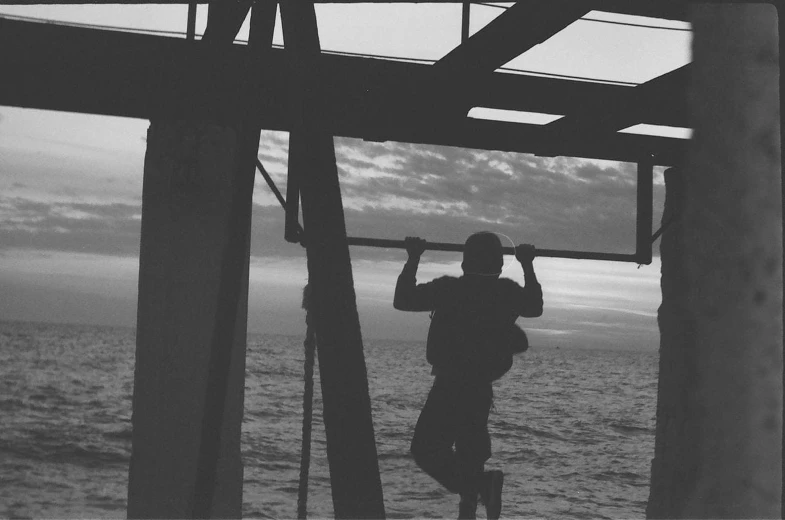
x=458 y=248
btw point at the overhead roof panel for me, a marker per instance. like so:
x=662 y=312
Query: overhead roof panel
x=610 y=47
x=414 y=31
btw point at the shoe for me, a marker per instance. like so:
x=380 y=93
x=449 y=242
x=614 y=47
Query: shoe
x=491 y=493
x=467 y=507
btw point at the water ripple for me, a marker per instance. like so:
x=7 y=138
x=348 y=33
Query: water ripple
x=573 y=429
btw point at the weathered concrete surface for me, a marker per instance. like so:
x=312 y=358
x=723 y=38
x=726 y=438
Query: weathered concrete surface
x=187 y=196
x=677 y=438
x=719 y=417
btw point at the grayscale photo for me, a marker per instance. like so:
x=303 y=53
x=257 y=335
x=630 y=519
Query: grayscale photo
x=391 y=259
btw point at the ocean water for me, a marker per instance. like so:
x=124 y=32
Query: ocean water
x=573 y=429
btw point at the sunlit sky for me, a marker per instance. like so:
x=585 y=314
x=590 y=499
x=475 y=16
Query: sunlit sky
x=70 y=206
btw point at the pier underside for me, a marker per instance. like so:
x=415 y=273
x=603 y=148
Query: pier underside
x=719 y=432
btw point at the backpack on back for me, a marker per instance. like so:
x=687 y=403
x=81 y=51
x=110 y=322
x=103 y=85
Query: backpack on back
x=471 y=335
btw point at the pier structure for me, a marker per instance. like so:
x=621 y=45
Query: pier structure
x=719 y=418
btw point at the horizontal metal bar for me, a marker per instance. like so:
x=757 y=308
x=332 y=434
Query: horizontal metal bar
x=458 y=248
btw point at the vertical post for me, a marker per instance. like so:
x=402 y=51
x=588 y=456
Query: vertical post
x=234 y=268
x=727 y=284
x=191 y=26
x=465 y=14
x=643 y=222
x=781 y=27
x=351 y=448
x=298 y=77
x=190 y=178
x=292 y=232
x=677 y=437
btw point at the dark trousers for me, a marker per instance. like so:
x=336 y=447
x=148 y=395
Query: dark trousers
x=451 y=441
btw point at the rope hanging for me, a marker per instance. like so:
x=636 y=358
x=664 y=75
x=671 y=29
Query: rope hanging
x=305 y=452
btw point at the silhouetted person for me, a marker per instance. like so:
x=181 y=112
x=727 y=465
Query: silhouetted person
x=470 y=344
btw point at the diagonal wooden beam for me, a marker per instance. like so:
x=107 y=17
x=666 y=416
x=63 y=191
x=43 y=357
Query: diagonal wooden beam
x=224 y=20
x=512 y=33
x=351 y=448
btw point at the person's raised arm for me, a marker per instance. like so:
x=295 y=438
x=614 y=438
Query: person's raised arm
x=408 y=295
x=530 y=304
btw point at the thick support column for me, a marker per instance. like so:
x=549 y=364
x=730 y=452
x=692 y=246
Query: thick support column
x=719 y=422
x=193 y=295
x=189 y=195
x=677 y=436
x=351 y=447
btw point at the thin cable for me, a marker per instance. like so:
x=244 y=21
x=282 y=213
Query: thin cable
x=568 y=76
x=634 y=24
x=600 y=20
x=491 y=5
x=423 y=61
x=93 y=26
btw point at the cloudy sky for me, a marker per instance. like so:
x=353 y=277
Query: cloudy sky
x=71 y=184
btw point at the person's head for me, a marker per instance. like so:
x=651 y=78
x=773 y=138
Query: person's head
x=482 y=254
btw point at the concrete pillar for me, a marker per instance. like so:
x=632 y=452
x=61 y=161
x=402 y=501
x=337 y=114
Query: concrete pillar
x=719 y=419
x=677 y=435
x=190 y=175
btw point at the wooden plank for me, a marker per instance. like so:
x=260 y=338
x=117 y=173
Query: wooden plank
x=351 y=447
x=35 y=52
x=666 y=9
x=191 y=25
x=512 y=33
x=465 y=20
x=114 y=67
x=223 y=22
x=132 y=75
